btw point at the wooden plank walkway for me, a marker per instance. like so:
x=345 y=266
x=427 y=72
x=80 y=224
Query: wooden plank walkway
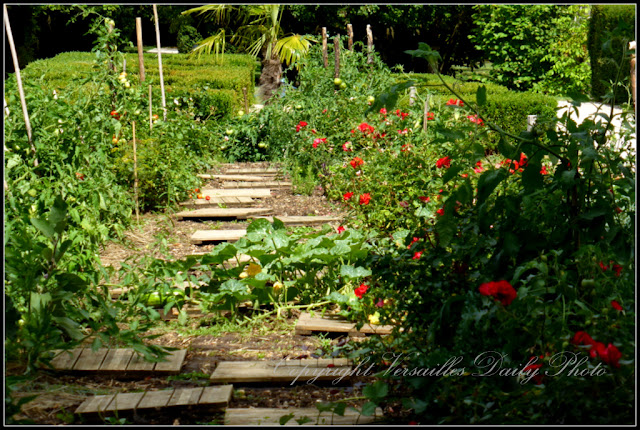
x=300 y=220
x=201 y=236
x=270 y=184
x=237 y=213
x=307 y=324
x=229 y=177
x=271 y=417
x=216 y=397
x=283 y=371
x=258 y=193
x=115 y=360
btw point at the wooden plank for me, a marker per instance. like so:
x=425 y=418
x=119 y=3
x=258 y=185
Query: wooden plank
x=89 y=360
x=280 y=371
x=271 y=417
x=95 y=404
x=125 y=402
x=176 y=359
x=225 y=200
x=258 y=193
x=231 y=177
x=270 y=184
x=219 y=395
x=217 y=235
x=300 y=220
x=334 y=323
x=117 y=359
x=238 y=213
x=185 y=396
x=65 y=360
x=155 y=399
x=139 y=364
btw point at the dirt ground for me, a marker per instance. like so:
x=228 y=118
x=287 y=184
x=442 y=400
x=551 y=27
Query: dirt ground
x=275 y=339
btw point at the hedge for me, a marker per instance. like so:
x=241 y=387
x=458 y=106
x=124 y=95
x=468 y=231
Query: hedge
x=604 y=65
x=507 y=109
x=214 y=89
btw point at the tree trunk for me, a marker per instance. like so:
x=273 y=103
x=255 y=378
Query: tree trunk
x=270 y=77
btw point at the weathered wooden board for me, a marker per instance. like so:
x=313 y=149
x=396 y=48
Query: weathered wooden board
x=124 y=402
x=270 y=184
x=90 y=360
x=210 y=396
x=251 y=170
x=117 y=292
x=280 y=371
x=300 y=220
x=65 y=360
x=231 y=177
x=257 y=193
x=174 y=363
x=271 y=417
x=237 y=213
x=155 y=399
x=95 y=404
x=218 y=395
x=336 y=324
x=116 y=359
x=139 y=364
x=230 y=201
x=217 y=236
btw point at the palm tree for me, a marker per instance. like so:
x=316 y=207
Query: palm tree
x=259 y=33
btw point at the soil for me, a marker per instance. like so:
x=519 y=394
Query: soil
x=58 y=395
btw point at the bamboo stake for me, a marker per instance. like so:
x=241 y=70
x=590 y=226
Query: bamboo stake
x=135 y=173
x=140 y=49
x=632 y=46
x=246 y=99
x=325 y=55
x=350 y=33
x=412 y=95
x=369 y=45
x=23 y=101
x=336 y=63
x=164 y=101
x=426 y=114
x=150 y=111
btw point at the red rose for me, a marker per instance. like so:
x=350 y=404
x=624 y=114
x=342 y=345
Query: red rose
x=417 y=255
x=357 y=161
x=365 y=199
x=582 y=338
x=500 y=290
x=347 y=196
x=615 y=305
x=424 y=199
x=443 y=162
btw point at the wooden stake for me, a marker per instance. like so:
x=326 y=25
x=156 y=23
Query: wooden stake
x=412 y=95
x=426 y=114
x=632 y=46
x=246 y=99
x=135 y=173
x=140 y=49
x=325 y=55
x=369 y=45
x=350 y=33
x=531 y=121
x=150 y=110
x=23 y=101
x=336 y=63
x=164 y=101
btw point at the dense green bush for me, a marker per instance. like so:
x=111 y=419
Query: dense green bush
x=610 y=29
x=188 y=36
x=539 y=47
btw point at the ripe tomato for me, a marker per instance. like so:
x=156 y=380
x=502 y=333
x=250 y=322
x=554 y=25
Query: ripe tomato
x=208 y=198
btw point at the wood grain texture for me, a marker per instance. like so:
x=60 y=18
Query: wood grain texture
x=237 y=213
x=217 y=236
x=300 y=220
x=336 y=324
x=117 y=359
x=174 y=363
x=65 y=360
x=271 y=416
x=279 y=371
x=89 y=360
x=245 y=184
x=240 y=192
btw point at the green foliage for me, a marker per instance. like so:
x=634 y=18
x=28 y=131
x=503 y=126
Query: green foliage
x=188 y=36
x=610 y=29
x=538 y=47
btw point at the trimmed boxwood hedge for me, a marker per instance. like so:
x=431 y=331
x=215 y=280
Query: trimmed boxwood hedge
x=508 y=109
x=215 y=89
x=604 y=66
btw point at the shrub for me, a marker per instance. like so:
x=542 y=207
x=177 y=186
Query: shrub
x=607 y=57
x=188 y=36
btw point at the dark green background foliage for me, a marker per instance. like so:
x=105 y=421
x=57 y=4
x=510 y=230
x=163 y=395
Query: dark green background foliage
x=188 y=36
x=606 y=59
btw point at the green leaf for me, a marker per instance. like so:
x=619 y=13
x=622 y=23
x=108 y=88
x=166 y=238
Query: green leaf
x=451 y=173
x=70 y=282
x=376 y=391
x=97 y=344
x=285 y=418
x=488 y=182
x=350 y=272
x=446 y=229
x=58 y=213
x=44 y=227
x=183 y=317
x=531 y=177
x=505 y=148
x=511 y=244
x=481 y=95
x=71 y=327
x=368 y=409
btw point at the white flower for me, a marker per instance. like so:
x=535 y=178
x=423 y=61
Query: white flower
x=177 y=103
x=55 y=95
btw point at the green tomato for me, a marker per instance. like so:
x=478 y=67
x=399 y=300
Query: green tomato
x=229 y=132
x=298 y=107
x=343 y=86
x=262 y=145
x=32 y=192
x=153 y=299
x=240 y=113
x=588 y=283
x=337 y=81
x=223 y=147
x=20 y=322
x=371 y=99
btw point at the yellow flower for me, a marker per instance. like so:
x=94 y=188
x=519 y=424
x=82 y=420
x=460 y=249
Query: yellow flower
x=253 y=269
x=375 y=318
